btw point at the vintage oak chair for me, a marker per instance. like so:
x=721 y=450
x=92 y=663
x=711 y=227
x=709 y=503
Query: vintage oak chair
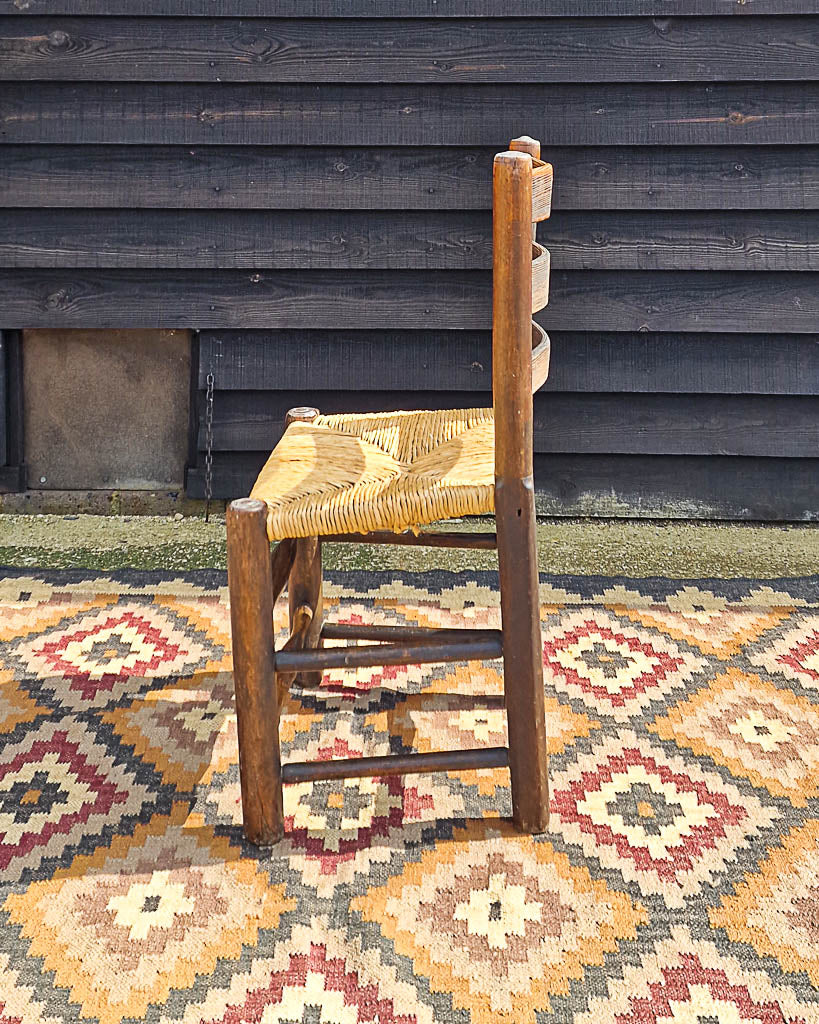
x=373 y=478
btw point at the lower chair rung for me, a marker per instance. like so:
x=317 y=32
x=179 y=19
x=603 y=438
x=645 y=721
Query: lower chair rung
x=476 y=648
x=475 y=541
x=398 y=634
x=396 y=764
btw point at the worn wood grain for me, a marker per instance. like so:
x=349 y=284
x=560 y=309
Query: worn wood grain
x=406 y=8
x=308 y=240
x=396 y=764
x=698 y=301
x=647 y=486
x=395 y=115
x=3 y=404
x=772 y=364
x=410 y=178
x=454 y=240
x=257 y=710
x=728 y=364
x=406 y=50
x=677 y=240
x=644 y=424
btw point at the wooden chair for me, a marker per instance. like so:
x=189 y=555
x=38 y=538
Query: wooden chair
x=372 y=478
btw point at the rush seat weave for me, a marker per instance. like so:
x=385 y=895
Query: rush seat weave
x=357 y=473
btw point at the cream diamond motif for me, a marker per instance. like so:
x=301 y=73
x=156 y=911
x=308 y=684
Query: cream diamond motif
x=105 y=654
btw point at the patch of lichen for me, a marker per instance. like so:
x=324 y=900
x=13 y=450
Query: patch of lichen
x=629 y=548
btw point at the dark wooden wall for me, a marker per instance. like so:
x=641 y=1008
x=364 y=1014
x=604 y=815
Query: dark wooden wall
x=311 y=192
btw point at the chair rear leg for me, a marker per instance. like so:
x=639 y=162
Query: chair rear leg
x=522 y=654
x=305 y=601
x=257 y=706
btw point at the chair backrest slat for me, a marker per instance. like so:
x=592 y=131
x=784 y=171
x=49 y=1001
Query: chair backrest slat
x=541 y=265
x=541 y=178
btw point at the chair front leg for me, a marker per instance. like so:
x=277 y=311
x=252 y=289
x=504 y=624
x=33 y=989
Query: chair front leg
x=257 y=705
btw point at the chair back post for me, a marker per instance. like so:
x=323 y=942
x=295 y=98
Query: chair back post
x=512 y=315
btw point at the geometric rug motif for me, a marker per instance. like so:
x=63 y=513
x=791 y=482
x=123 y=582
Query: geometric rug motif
x=687 y=979
x=678 y=880
x=755 y=729
x=100 y=655
x=185 y=729
x=123 y=926
x=59 y=788
x=666 y=824
x=613 y=666
x=499 y=921
x=776 y=908
x=705 y=620
x=793 y=652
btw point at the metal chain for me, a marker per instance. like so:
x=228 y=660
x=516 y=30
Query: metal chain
x=208 y=445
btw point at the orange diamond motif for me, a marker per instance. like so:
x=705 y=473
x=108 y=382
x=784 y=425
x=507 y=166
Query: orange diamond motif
x=777 y=909
x=754 y=729
x=710 y=622
x=500 y=921
x=123 y=927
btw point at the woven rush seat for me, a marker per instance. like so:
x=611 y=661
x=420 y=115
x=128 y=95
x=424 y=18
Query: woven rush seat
x=357 y=473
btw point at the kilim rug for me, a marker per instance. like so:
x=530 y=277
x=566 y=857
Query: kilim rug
x=679 y=881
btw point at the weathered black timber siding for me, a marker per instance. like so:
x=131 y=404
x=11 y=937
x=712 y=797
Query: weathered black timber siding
x=311 y=192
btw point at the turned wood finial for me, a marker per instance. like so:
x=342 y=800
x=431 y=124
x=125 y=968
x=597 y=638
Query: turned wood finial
x=300 y=414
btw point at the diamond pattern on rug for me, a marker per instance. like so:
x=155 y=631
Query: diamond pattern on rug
x=314 y=976
x=776 y=909
x=498 y=921
x=678 y=881
x=664 y=823
x=793 y=653
x=689 y=980
x=124 y=926
x=18 y=1003
x=186 y=730
x=96 y=657
x=59 y=787
x=706 y=620
x=758 y=731
x=16 y=706
x=616 y=668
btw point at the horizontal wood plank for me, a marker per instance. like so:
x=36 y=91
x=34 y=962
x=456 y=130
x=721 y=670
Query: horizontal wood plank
x=406 y=8
x=731 y=302
x=4 y=452
x=411 y=115
x=284 y=240
x=405 y=50
x=567 y=423
x=677 y=240
x=409 y=178
x=454 y=240
x=635 y=486
x=346 y=361
x=674 y=486
x=768 y=364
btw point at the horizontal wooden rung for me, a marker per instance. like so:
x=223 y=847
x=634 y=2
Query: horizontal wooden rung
x=428 y=652
x=475 y=541
x=403 y=634
x=396 y=764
